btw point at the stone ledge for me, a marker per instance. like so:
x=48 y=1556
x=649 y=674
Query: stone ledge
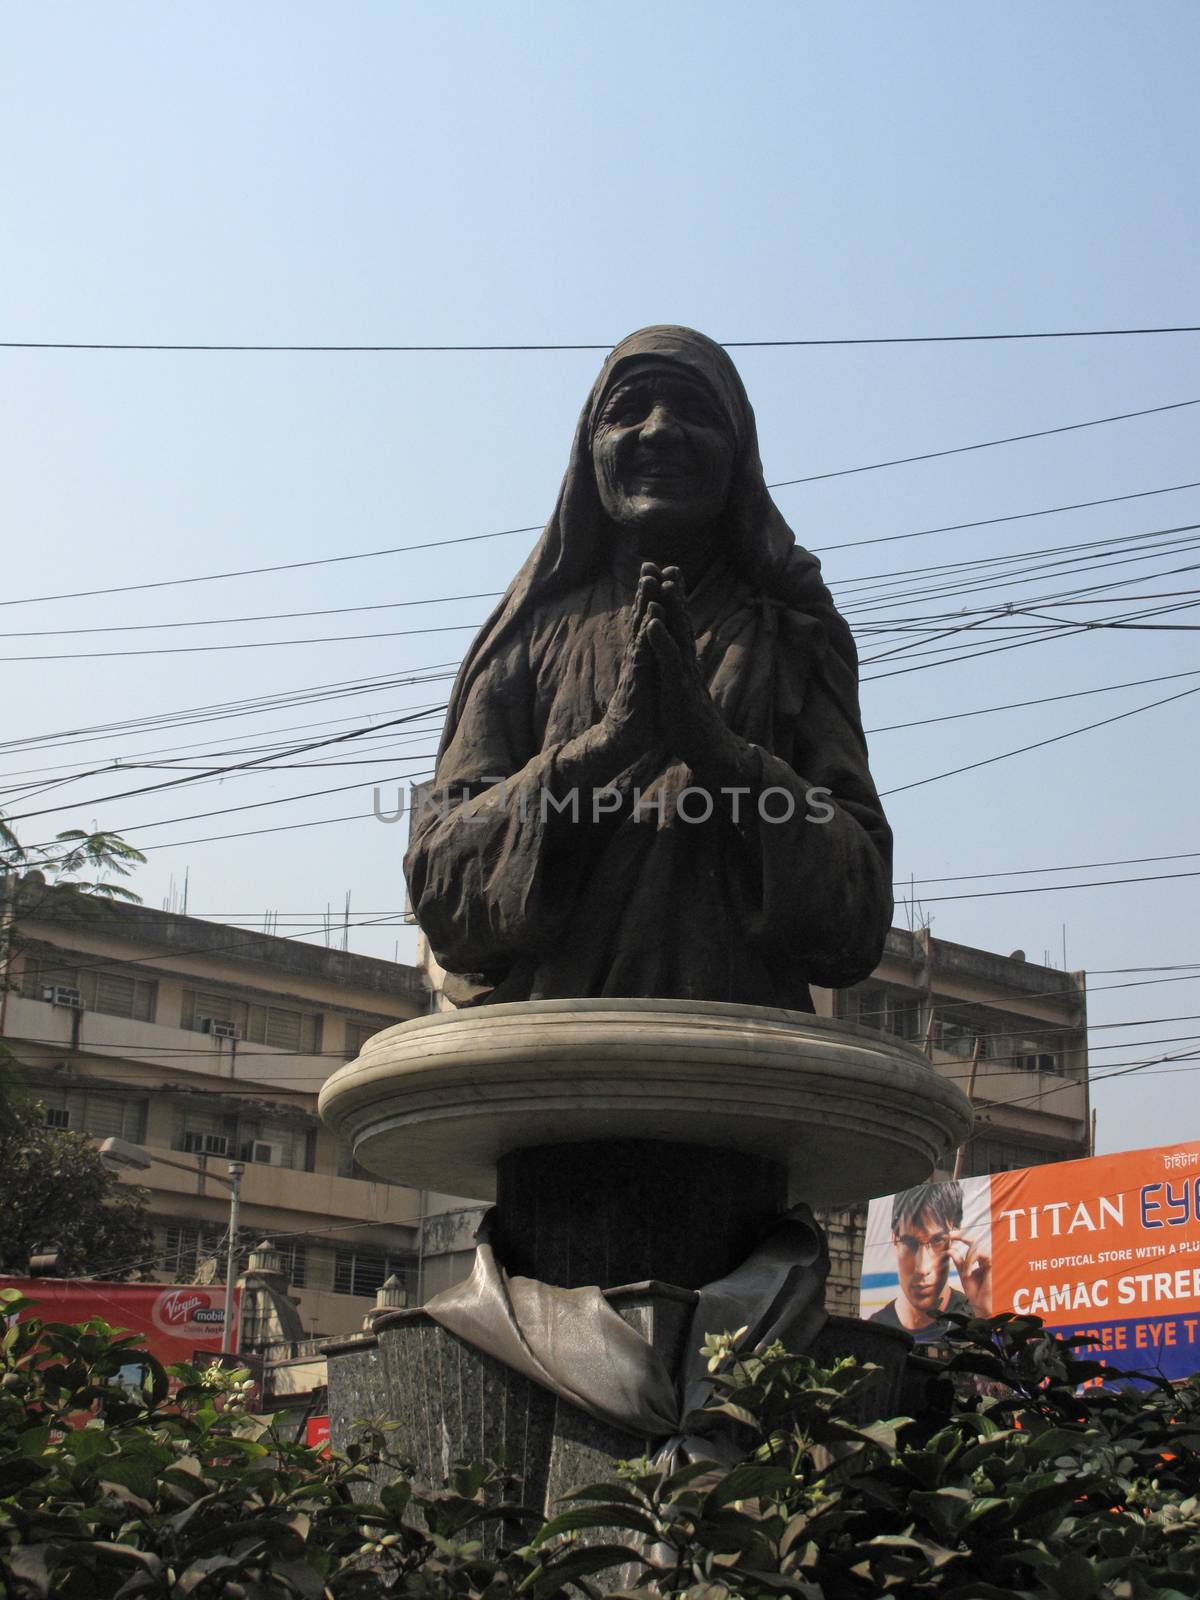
x=437 y=1101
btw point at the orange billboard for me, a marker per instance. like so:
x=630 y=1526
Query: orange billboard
x=1107 y=1248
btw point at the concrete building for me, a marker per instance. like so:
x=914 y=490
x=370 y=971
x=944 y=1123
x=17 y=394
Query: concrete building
x=1012 y=1035
x=204 y=1043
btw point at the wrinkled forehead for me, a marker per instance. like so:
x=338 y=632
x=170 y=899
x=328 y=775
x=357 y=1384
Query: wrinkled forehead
x=648 y=375
x=684 y=354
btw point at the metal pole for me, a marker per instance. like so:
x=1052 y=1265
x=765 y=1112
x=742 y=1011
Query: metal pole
x=229 y=1345
x=958 y=1154
x=8 y=917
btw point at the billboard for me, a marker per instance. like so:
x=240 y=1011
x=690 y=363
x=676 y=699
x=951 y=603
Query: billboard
x=1108 y=1248
x=178 y=1321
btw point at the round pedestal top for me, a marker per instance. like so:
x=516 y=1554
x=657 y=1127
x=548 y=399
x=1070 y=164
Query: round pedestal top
x=435 y=1102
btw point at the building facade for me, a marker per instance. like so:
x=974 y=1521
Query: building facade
x=203 y=1043
x=1010 y=1033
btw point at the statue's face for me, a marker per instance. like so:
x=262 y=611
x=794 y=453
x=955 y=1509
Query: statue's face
x=662 y=452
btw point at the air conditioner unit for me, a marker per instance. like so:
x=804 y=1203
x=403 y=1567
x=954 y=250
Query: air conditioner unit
x=264 y=1152
x=206 y=1144
x=61 y=994
x=218 y=1028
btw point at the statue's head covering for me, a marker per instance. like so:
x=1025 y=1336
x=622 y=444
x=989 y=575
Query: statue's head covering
x=578 y=539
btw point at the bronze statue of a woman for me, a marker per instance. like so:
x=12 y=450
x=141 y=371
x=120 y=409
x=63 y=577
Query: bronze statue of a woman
x=653 y=780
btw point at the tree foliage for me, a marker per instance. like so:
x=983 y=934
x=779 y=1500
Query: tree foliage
x=57 y=1193
x=1042 y=1489
x=100 y=856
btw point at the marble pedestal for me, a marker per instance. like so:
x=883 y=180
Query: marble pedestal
x=439 y=1101
x=454 y=1403
x=638 y=1145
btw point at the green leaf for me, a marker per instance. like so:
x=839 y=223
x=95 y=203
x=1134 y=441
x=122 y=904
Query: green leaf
x=936 y=1555
x=1056 y=1442
x=944 y=1509
x=1073 y=1577
x=776 y=1583
x=34 y=1441
x=84 y=1443
x=747 y=1482
x=726 y=1408
x=618 y=1514
x=609 y=1492
x=29 y=1563
x=580 y=1562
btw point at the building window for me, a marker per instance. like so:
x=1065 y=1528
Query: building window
x=1036 y=1061
x=113 y=993
x=205 y=1133
x=874 y=1005
x=99 y=1112
x=274 y=1142
x=357 y=1034
x=362 y=1272
x=188 y=1245
x=959 y=1039
x=277 y=1026
x=246 y=1136
x=1001 y=1036
x=985 y=1156
x=295 y=1261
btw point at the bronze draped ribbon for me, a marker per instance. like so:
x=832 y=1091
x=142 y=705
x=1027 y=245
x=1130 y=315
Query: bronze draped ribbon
x=572 y=1341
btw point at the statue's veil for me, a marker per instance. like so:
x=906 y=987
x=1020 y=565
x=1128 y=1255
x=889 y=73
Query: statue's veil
x=578 y=536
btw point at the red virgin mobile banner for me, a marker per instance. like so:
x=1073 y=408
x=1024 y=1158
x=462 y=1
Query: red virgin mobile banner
x=1108 y=1248
x=179 y=1321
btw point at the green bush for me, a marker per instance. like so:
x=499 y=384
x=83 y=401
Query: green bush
x=1012 y=1479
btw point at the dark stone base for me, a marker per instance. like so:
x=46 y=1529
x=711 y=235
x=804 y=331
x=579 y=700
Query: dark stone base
x=453 y=1403
x=626 y=1211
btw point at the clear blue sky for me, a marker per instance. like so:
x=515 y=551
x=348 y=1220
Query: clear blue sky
x=416 y=174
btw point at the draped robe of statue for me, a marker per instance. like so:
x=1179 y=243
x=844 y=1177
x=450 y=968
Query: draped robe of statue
x=526 y=901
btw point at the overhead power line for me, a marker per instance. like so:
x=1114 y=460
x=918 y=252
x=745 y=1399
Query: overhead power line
x=541 y=347
x=1040 y=744
x=1073 y=866
x=368 y=555
x=282 y=566
x=1050 y=888
x=344 y=788
x=987 y=444
x=946 y=579
x=244 y=644
x=988 y=522
x=265 y=616
x=143 y=759
x=230 y=710
x=856 y=583
x=241 y=766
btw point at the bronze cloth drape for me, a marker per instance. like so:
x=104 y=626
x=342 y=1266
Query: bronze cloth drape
x=573 y=1343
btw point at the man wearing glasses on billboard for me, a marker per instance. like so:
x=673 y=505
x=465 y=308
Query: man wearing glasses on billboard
x=927 y=1239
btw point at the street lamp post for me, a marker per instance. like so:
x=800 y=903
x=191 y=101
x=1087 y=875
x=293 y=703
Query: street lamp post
x=229 y=1346
x=121 y=1153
